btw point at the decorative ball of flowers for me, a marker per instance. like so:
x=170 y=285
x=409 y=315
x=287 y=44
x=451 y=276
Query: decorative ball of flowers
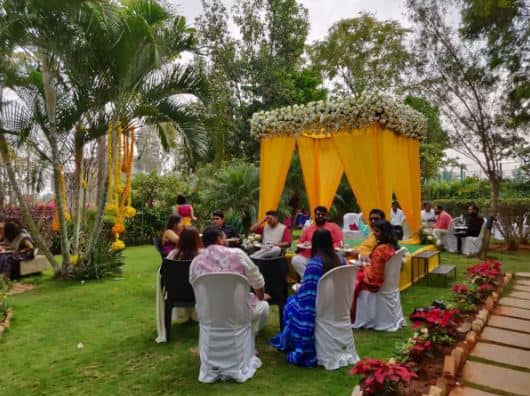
x=118 y=244
x=118 y=228
x=110 y=207
x=130 y=212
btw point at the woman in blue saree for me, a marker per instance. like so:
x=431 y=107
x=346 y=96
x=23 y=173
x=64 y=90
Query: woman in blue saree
x=297 y=338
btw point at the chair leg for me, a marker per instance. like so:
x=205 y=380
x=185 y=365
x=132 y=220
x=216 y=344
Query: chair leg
x=168 y=311
x=280 y=314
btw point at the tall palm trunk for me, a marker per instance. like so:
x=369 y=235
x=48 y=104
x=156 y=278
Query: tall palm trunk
x=51 y=102
x=78 y=197
x=103 y=187
x=26 y=214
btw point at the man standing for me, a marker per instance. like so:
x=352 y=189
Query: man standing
x=428 y=216
x=218 y=220
x=321 y=221
x=276 y=236
x=215 y=257
x=397 y=218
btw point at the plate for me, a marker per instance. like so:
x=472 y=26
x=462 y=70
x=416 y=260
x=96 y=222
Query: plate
x=233 y=239
x=304 y=246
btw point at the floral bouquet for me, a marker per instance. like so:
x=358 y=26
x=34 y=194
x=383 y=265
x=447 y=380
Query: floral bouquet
x=250 y=241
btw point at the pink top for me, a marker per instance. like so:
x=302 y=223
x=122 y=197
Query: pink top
x=184 y=210
x=307 y=236
x=443 y=221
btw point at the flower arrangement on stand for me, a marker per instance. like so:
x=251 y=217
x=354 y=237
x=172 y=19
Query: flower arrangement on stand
x=250 y=241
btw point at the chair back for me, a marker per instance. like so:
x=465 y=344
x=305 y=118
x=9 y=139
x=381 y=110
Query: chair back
x=350 y=218
x=274 y=271
x=222 y=300
x=393 y=271
x=157 y=242
x=452 y=224
x=174 y=276
x=335 y=294
x=483 y=228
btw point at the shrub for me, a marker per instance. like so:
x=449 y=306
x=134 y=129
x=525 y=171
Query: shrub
x=416 y=348
x=41 y=214
x=382 y=378
x=440 y=323
x=102 y=263
x=4 y=305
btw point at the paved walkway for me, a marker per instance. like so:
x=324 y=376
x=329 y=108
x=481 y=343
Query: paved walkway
x=500 y=362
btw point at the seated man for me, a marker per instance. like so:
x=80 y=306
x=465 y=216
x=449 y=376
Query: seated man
x=276 y=236
x=216 y=257
x=397 y=218
x=474 y=226
x=300 y=260
x=366 y=247
x=218 y=220
x=443 y=220
x=428 y=215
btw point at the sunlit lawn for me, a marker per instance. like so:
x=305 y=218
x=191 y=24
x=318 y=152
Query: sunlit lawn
x=114 y=320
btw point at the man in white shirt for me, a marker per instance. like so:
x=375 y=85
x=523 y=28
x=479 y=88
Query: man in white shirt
x=216 y=257
x=428 y=217
x=397 y=218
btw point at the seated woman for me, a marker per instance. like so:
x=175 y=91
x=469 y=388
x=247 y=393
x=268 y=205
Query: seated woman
x=372 y=276
x=170 y=235
x=298 y=336
x=17 y=247
x=188 y=245
x=187 y=248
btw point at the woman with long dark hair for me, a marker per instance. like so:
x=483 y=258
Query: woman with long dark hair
x=17 y=247
x=372 y=276
x=170 y=235
x=188 y=245
x=297 y=338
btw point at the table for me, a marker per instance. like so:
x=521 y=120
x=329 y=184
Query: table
x=445 y=270
x=423 y=258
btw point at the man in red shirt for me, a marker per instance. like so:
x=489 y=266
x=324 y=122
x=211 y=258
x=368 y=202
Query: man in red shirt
x=443 y=220
x=299 y=261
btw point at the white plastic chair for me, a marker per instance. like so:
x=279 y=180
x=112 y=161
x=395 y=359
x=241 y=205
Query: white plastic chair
x=382 y=310
x=226 y=340
x=448 y=239
x=334 y=342
x=349 y=219
x=472 y=245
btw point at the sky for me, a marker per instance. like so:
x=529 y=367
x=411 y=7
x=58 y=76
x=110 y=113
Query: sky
x=322 y=13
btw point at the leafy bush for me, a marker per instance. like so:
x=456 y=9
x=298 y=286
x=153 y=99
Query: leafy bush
x=472 y=188
x=41 y=214
x=4 y=306
x=102 y=263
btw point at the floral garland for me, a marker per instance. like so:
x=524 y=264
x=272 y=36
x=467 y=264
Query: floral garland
x=346 y=114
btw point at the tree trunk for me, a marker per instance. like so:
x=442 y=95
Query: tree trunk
x=50 y=95
x=77 y=213
x=493 y=209
x=26 y=214
x=103 y=186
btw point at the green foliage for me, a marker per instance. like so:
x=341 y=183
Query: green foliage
x=432 y=148
x=232 y=187
x=4 y=305
x=102 y=262
x=260 y=70
x=363 y=55
x=473 y=188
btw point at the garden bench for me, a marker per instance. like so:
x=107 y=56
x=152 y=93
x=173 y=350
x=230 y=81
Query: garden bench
x=35 y=266
x=444 y=271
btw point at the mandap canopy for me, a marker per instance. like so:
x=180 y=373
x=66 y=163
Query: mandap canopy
x=374 y=141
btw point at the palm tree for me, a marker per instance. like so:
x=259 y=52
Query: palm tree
x=96 y=62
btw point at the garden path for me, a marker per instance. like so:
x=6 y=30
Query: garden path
x=500 y=362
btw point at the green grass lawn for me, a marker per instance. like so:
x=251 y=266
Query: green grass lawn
x=115 y=321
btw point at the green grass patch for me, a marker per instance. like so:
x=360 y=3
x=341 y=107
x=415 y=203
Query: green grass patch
x=114 y=319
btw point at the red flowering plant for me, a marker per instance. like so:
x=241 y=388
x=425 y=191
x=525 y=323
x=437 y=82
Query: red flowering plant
x=485 y=272
x=416 y=348
x=441 y=324
x=382 y=378
x=465 y=297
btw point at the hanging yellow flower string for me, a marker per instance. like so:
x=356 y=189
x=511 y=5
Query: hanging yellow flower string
x=62 y=193
x=110 y=206
x=122 y=164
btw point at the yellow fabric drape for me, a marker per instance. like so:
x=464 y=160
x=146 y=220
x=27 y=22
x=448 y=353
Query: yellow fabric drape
x=360 y=156
x=390 y=169
x=275 y=158
x=415 y=186
x=322 y=169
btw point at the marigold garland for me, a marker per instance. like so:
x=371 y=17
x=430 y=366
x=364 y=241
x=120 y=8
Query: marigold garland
x=119 y=200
